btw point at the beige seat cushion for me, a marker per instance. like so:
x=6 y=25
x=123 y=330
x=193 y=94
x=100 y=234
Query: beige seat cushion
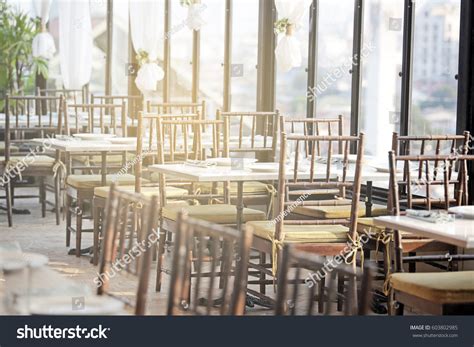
x=252 y=187
x=340 y=211
x=219 y=213
x=301 y=233
x=31 y=161
x=439 y=287
x=92 y=181
x=171 y=192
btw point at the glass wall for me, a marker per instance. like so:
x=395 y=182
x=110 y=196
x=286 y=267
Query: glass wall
x=381 y=83
x=181 y=54
x=244 y=55
x=335 y=33
x=291 y=86
x=212 y=55
x=120 y=48
x=435 y=65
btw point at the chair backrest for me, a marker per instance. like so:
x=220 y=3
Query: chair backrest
x=300 y=273
x=178 y=108
x=312 y=172
x=134 y=103
x=220 y=257
x=29 y=117
x=315 y=126
x=97 y=118
x=130 y=234
x=430 y=144
x=255 y=132
x=75 y=96
x=422 y=174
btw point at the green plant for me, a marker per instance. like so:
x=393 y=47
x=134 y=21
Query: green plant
x=18 y=67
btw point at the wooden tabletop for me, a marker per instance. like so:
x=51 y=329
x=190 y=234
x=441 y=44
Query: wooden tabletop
x=84 y=146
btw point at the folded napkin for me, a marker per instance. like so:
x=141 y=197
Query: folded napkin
x=199 y=163
x=430 y=216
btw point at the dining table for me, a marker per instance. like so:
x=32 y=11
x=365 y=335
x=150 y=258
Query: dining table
x=71 y=146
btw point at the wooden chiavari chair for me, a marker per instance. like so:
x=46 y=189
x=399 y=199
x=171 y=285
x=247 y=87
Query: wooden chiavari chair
x=220 y=213
x=330 y=236
x=224 y=264
x=441 y=292
x=300 y=274
x=130 y=232
x=75 y=96
x=427 y=196
x=91 y=118
x=28 y=117
x=146 y=154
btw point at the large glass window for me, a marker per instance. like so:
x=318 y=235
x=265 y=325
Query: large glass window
x=291 y=86
x=435 y=64
x=120 y=49
x=98 y=11
x=381 y=83
x=181 y=54
x=335 y=37
x=212 y=54
x=244 y=55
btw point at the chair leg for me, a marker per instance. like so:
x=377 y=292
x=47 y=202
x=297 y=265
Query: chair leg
x=79 y=227
x=42 y=196
x=8 y=197
x=97 y=216
x=340 y=291
x=161 y=253
x=262 y=276
x=68 y=219
x=57 y=198
x=322 y=284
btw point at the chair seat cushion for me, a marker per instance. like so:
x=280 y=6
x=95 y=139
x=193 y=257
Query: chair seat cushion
x=219 y=213
x=92 y=181
x=301 y=233
x=339 y=211
x=252 y=187
x=171 y=192
x=32 y=161
x=439 y=287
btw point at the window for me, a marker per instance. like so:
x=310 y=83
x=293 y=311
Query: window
x=335 y=38
x=181 y=54
x=291 y=86
x=381 y=84
x=244 y=55
x=434 y=96
x=212 y=55
x=120 y=48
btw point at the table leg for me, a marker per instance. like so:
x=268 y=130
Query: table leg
x=368 y=199
x=240 y=204
x=104 y=168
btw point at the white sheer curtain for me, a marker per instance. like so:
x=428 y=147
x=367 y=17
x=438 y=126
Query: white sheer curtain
x=288 y=50
x=43 y=43
x=145 y=32
x=75 y=43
